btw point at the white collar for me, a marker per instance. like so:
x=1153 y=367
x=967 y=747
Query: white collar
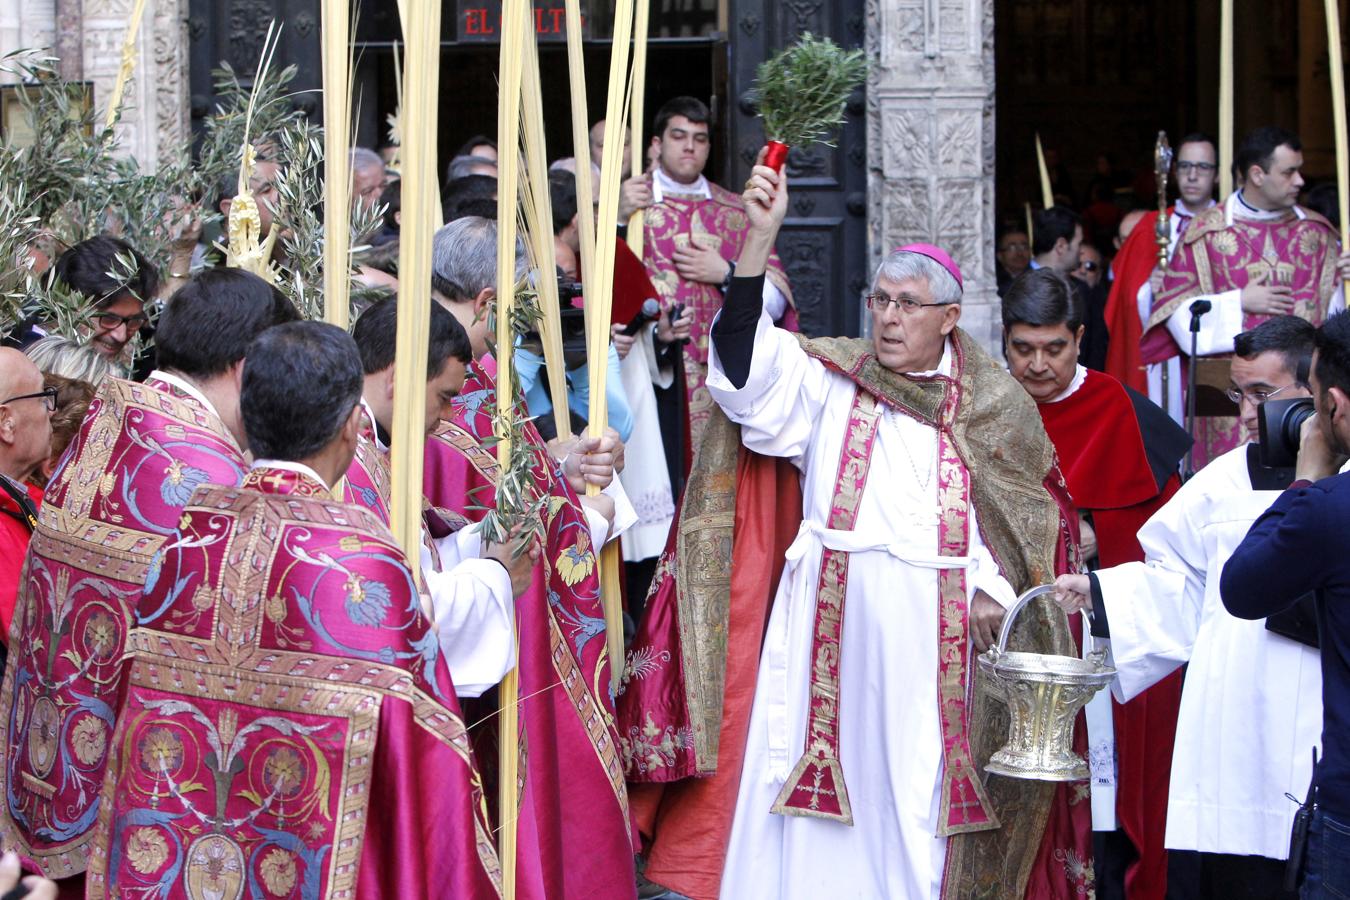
x=190 y=389
x=375 y=426
x=289 y=466
x=1079 y=376
x=1178 y=214
x=944 y=366
x=664 y=184
x=1235 y=207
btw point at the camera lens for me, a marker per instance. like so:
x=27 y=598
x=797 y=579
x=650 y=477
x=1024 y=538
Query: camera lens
x=1291 y=425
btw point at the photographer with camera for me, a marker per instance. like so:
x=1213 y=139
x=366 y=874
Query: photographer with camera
x=1297 y=546
x=1251 y=704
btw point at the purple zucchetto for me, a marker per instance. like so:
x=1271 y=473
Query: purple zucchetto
x=937 y=255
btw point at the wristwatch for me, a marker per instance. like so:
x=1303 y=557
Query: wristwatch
x=731 y=273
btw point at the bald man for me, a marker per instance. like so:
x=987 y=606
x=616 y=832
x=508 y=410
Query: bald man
x=598 y=148
x=25 y=441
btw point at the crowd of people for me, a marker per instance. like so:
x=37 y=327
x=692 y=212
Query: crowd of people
x=225 y=675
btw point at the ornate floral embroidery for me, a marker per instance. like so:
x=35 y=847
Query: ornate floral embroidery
x=180 y=480
x=90 y=737
x=147 y=850
x=576 y=562
x=653 y=747
x=278 y=872
x=367 y=601
x=641 y=662
x=1079 y=872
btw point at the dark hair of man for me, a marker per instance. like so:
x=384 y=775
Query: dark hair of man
x=691 y=108
x=562 y=191
x=1333 y=352
x=478 y=140
x=301 y=382
x=1258 y=148
x=1290 y=336
x=1323 y=199
x=482 y=208
x=465 y=190
x=376 y=334
x=209 y=322
x=1050 y=225
x=1040 y=297
x=392 y=198
x=1198 y=137
x=85 y=268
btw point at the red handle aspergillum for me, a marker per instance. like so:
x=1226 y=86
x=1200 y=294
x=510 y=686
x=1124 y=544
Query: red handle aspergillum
x=777 y=155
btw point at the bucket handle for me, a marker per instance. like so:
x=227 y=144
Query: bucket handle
x=1022 y=601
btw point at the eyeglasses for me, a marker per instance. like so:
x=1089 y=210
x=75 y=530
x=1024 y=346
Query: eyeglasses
x=1089 y=266
x=906 y=304
x=1015 y=245
x=1201 y=167
x=110 y=320
x=1257 y=397
x=48 y=396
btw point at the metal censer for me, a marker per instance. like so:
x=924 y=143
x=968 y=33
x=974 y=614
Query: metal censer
x=1044 y=693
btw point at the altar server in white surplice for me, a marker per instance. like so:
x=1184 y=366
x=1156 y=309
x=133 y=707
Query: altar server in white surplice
x=1251 y=707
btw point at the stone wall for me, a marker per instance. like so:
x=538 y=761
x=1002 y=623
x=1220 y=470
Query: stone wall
x=930 y=132
x=89 y=40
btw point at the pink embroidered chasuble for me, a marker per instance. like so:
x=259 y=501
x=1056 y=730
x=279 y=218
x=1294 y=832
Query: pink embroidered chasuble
x=720 y=223
x=288 y=727
x=117 y=495
x=1213 y=257
x=575 y=836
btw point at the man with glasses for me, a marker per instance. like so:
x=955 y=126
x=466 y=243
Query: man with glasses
x=1136 y=274
x=1120 y=455
x=119 y=492
x=896 y=492
x=117 y=281
x=1255 y=256
x=25 y=440
x=1251 y=703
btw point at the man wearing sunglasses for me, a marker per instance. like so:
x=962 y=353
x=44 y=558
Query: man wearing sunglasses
x=25 y=439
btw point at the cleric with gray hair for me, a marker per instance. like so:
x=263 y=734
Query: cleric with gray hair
x=464 y=273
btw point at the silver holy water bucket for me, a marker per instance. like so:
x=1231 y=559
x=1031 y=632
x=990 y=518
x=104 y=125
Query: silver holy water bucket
x=1044 y=693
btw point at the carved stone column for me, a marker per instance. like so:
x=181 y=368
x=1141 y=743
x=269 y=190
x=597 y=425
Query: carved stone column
x=930 y=132
x=154 y=108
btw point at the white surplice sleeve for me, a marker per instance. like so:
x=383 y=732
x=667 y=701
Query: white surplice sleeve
x=474 y=611
x=780 y=406
x=983 y=574
x=1153 y=608
x=1218 y=327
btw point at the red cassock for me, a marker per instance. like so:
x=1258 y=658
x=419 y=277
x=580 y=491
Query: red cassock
x=574 y=833
x=1101 y=448
x=1132 y=266
x=287 y=725
x=118 y=493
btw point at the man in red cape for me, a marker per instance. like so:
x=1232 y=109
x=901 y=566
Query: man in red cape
x=574 y=833
x=1136 y=273
x=714 y=667
x=287 y=721
x=1119 y=453
x=115 y=498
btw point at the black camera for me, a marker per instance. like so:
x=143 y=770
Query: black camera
x=1281 y=430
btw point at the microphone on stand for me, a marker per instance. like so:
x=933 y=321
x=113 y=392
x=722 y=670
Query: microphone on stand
x=1198 y=309
x=650 y=312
